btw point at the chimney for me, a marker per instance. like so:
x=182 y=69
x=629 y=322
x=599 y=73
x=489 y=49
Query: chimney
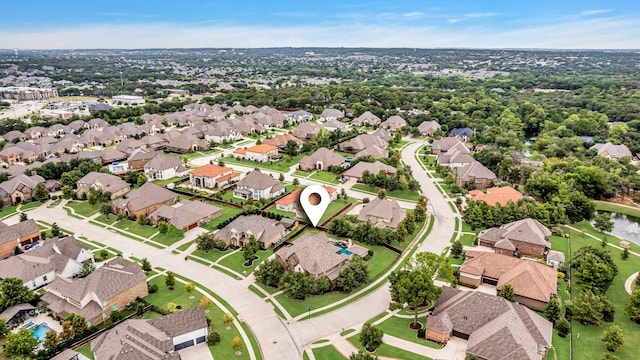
x=33 y=173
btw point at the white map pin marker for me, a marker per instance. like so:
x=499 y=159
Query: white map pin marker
x=314 y=210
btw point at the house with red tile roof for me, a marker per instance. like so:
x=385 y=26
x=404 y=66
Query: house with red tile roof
x=262 y=153
x=291 y=201
x=212 y=176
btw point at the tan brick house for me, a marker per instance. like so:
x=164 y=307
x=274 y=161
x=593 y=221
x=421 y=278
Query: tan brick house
x=144 y=200
x=19 y=234
x=527 y=237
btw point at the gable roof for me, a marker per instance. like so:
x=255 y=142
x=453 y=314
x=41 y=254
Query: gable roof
x=262 y=148
x=13 y=232
x=12 y=185
x=262 y=228
x=497 y=195
x=148 y=194
x=394 y=122
x=613 y=151
x=105 y=181
x=444 y=144
x=324 y=155
x=363 y=141
x=498 y=329
x=259 y=180
x=294 y=196
x=428 y=125
x=366 y=118
x=526 y=230
x=184 y=213
x=387 y=211
x=373 y=151
x=164 y=162
x=373 y=168
x=474 y=170
x=315 y=253
x=282 y=140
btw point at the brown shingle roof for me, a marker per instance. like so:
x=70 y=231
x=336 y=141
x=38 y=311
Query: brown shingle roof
x=525 y=230
x=145 y=196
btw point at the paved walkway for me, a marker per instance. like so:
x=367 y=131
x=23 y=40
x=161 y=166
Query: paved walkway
x=628 y=284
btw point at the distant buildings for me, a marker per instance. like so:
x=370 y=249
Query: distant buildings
x=27 y=93
x=128 y=99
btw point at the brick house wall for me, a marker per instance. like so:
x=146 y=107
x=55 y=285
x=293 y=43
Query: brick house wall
x=148 y=210
x=29 y=238
x=122 y=299
x=7 y=248
x=437 y=336
x=530 y=250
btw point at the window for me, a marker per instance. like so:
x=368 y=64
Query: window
x=44 y=278
x=115 y=307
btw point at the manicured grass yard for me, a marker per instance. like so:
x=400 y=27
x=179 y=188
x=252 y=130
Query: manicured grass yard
x=611 y=207
x=328 y=352
x=213 y=255
x=388 y=350
x=280 y=165
x=86 y=351
x=323 y=176
x=133 y=227
x=84 y=208
x=399 y=327
x=179 y=296
x=185 y=246
x=236 y=261
x=467 y=239
x=298 y=307
x=335 y=206
x=166 y=181
x=589 y=344
x=227 y=213
x=7 y=211
x=30 y=205
x=273 y=209
x=467 y=228
x=400 y=194
x=172 y=236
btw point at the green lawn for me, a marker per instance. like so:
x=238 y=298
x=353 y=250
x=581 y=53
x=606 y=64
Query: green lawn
x=389 y=351
x=110 y=220
x=213 y=255
x=171 y=237
x=198 y=154
x=399 y=327
x=298 y=307
x=335 y=206
x=84 y=208
x=227 y=213
x=280 y=166
x=612 y=239
x=7 y=211
x=166 y=181
x=179 y=296
x=325 y=176
x=467 y=239
x=400 y=194
x=467 y=228
x=327 y=353
x=30 y=205
x=589 y=344
x=273 y=209
x=185 y=246
x=133 y=227
x=86 y=351
x=381 y=260
x=236 y=261
x=612 y=207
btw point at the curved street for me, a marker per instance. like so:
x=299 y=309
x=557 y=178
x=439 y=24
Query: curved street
x=278 y=339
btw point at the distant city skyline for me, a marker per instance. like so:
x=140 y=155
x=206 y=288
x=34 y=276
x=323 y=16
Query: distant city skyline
x=435 y=24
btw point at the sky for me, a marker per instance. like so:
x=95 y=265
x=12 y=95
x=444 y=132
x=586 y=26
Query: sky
x=557 y=24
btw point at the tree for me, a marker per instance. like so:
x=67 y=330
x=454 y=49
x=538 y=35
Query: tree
x=213 y=338
x=170 y=280
x=625 y=254
x=553 y=310
x=189 y=287
x=269 y=272
x=291 y=148
x=595 y=268
x=141 y=179
x=163 y=227
x=4 y=330
x=608 y=356
x=632 y=309
x=146 y=265
x=371 y=337
x=205 y=242
x=413 y=285
x=13 y=292
x=143 y=220
x=79 y=324
x=55 y=230
x=250 y=248
x=50 y=340
x=401 y=232
x=87 y=268
x=106 y=210
x=353 y=275
x=360 y=355
x=20 y=344
x=587 y=308
x=296 y=182
x=382 y=193
x=23 y=217
x=507 y=292
x=68 y=192
x=613 y=338
x=456 y=249
x=296 y=284
x=227 y=318
x=603 y=223
x=236 y=344
x=281 y=177
x=40 y=192
x=563 y=327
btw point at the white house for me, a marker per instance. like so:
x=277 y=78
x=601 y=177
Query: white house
x=165 y=167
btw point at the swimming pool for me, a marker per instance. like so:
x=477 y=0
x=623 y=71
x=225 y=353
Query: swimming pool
x=40 y=331
x=343 y=249
x=28 y=325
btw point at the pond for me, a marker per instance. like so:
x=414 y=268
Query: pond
x=625 y=227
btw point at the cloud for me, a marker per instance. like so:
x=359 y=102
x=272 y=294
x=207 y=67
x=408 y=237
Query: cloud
x=591 y=33
x=470 y=16
x=413 y=14
x=594 y=12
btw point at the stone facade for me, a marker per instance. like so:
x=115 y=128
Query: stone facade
x=437 y=336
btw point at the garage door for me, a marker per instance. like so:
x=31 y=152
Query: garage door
x=183 y=345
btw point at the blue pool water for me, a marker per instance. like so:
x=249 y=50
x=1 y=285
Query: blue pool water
x=28 y=325
x=40 y=331
x=343 y=249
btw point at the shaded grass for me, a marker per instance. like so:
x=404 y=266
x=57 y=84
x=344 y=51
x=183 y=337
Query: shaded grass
x=279 y=166
x=400 y=194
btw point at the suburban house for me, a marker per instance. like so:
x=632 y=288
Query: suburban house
x=611 y=151
x=367 y=118
x=330 y=114
x=69 y=354
x=220 y=132
x=333 y=125
x=382 y=134
x=108 y=288
x=163 y=167
x=534 y=284
x=186 y=143
x=19 y=234
x=239 y=232
x=428 y=128
x=393 y=123
x=159 y=338
x=257 y=185
x=262 y=153
x=56 y=257
x=104 y=182
x=358 y=170
x=298 y=116
x=186 y=215
x=306 y=131
x=291 y=201
x=456 y=156
x=20 y=188
x=374 y=152
x=474 y=174
x=362 y=142
x=495 y=328
x=139 y=157
x=496 y=195
x=280 y=141
x=462 y=134
x=321 y=159
x=382 y=213
x=527 y=237
x=318 y=255
x=144 y=200
x=443 y=145
x=212 y=176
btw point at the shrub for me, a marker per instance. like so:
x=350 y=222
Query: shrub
x=563 y=327
x=213 y=338
x=153 y=288
x=421 y=333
